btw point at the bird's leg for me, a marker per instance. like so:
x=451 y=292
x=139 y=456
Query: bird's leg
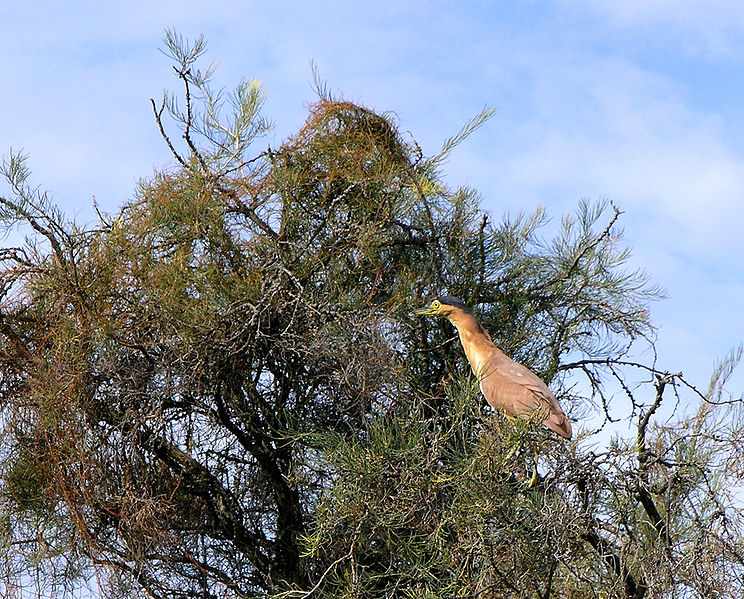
x=518 y=431
x=533 y=478
x=511 y=420
x=536 y=455
x=511 y=453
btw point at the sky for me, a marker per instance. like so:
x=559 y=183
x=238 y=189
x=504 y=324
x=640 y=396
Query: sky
x=632 y=101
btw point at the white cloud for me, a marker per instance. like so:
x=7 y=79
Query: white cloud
x=607 y=128
x=710 y=26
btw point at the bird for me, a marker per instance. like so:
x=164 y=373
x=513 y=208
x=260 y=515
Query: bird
x=507 y=385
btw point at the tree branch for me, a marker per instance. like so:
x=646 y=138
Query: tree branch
x=644 y=496
x=159 y=121
x=183 y=75
x=33 y=221
x=633 y=589
x=577 y=258
x=203 y=484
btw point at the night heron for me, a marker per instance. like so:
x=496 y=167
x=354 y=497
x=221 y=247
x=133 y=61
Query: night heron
x=506 y=385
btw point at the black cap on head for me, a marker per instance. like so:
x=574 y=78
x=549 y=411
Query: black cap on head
x=451 y=300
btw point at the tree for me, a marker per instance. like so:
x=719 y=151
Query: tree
x=218 y=392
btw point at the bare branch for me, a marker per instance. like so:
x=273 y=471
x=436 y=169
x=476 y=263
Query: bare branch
x=158 y=119
x=37 y=226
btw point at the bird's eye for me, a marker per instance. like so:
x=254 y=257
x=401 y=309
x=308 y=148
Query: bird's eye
x=436 y=305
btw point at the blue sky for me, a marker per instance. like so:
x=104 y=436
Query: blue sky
x=634 y=101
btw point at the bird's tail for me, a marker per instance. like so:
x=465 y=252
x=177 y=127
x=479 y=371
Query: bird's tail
x=558 y=422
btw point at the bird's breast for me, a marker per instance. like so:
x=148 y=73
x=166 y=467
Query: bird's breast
x=480 y=360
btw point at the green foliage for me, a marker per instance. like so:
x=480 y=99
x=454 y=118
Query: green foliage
x=426 y=506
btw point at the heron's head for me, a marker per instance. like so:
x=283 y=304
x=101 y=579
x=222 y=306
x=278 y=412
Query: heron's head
x=442 y=306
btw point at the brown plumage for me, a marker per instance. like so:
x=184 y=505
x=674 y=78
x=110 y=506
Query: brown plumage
x=506 y=385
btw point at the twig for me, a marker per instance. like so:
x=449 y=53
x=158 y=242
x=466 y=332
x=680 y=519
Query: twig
x=159 y=121
x=577 y=258
x=436 y=261
x=31 y=220
x=652 y=370
x=183 y=75
x=647 y=501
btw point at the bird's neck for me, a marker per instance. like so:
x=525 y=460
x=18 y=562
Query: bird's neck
x=474 y=338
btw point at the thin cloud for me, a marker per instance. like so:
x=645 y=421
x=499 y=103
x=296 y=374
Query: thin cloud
x=696 y=26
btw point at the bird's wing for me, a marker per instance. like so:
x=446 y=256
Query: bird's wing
x=518 y=391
